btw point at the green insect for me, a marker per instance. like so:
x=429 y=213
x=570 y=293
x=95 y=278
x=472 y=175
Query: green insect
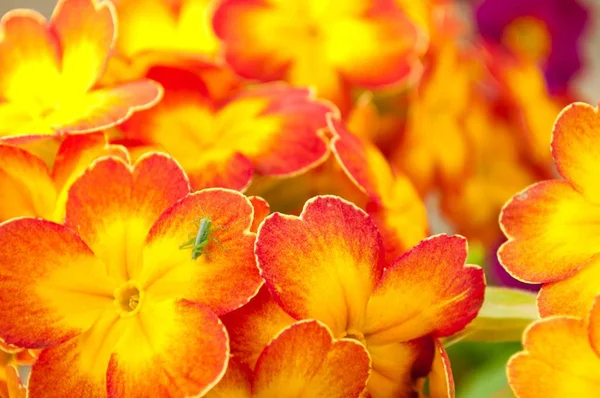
x=202 y=238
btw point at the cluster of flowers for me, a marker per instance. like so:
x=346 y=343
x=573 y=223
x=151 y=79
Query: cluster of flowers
x=226 y=198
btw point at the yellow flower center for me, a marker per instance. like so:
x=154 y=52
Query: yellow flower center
x=528 y=37
x=129 y=298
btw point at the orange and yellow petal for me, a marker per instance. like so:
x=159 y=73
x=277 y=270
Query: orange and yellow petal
x=53 y=286
x=75 y=154
x=435 y=291
x=29 y=59
x=103 y=108
x=397 y=366
x=261 y=211
x=224 y=277
x=15 y=388
x=254 y=325
x=86 y=30
x=552 y=231
x=441 y=381
x=558 y=361
x=324 y=264
x=181 y=25
x=26 y=188
x=149 y=360
x=236 y=383
x=573 y=295
x=113 y=205
x=574 y=142
x=304 y=359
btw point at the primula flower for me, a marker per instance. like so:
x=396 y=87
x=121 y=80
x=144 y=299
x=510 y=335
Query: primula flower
x=302 y=360
x=561 y=358
x=394 y=204
x=435 y=115
x=496 y=172
x=165 y=25
x=329 y=45
x=547 y=32
x=29 y=188
x=270 y=129
x=534 y=108
x=553 y=226
x=50 y=70
x=113 y=298
x=328 y=264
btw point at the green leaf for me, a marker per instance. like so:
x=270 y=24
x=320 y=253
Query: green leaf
x=503 y=317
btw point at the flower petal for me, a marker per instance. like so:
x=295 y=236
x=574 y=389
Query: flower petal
x=437 y=293
x=441 y=381
x=112 y=206
x=552 y=231
x=573 y=295
x=397 y=366
x=26 y=188
x=261 y=211
x=77 y=368
x=323 y=264
x=225 y=276
x=148 y=359
x=304 y=359
x=86 y=30
x=558 y=361
x=252 y=327
x=14 y=385
x=576 y=133
x=594 y=326
x=53 y=288
x=105 y=107
x=237 y=382
x=29 y=58
x=74 y=156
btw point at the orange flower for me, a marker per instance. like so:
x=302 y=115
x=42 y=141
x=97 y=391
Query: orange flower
x=50 y=70
x=435 y=115
x=331 y=46
x=10 y=357
x=553 y=226
x=28 y=188
x=525 y=86
x=165 y=25
x=496 y=172
x=302 y=360
x=561 y=358
x=328 y=264
x=13 y=387
x=114 y=297
x=394 y=204
x=222 y=140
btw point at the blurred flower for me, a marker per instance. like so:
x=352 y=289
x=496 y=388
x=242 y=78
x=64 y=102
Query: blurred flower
x=270 y=129
x=546 y=32
x=561 y=358
x=553 y=226
x=112 y=298
x=332 y=46
x=328 y=264
x=50 y=70
x=10 y=358
x=302 y=360
x=165 y=25
x=29 y=189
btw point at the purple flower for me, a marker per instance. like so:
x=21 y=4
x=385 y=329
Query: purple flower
x=564 y=21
